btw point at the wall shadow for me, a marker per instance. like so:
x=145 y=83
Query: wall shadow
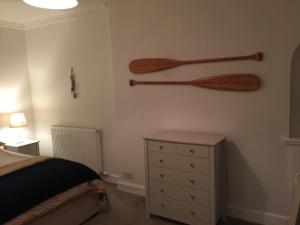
x=242 y=184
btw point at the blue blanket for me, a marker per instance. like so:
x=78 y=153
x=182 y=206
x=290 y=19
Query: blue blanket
x=30 y=186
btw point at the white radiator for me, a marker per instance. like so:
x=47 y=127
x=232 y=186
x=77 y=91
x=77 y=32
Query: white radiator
x=81 y=145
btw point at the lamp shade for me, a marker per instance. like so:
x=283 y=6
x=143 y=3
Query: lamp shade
x=52 y=4
x=17 y=120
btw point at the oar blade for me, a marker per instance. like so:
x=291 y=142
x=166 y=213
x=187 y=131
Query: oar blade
x=140 y=66
x=231 y=82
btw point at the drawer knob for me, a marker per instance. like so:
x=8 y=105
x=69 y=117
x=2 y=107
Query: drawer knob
x=161 y=147
x=161 y=161
x=193 y=213
x=192 y=151
x=162 y=205
x=192 y=165
x=162 y=176
x=193 y=197
x=162 y=190
x=192 y=181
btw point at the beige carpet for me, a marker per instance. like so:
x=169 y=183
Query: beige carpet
x=128 y=209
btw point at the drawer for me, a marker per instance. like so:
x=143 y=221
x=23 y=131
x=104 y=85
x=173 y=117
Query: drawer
x=187 y=179
x=161 y=146
x=180 y=211
x=10 y=148
x=188 y=195
x=193 y=150
x=29 y=150
x=191 y=164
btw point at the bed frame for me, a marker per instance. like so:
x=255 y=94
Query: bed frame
x=72 y=213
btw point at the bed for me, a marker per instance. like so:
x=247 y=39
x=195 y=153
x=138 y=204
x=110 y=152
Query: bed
x=43 y=191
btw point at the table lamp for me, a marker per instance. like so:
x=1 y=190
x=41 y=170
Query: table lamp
x=18 y=120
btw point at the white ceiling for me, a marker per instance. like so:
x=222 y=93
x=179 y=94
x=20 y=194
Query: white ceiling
x=18 y=13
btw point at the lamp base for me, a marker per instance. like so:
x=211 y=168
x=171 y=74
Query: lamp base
x=20 y=137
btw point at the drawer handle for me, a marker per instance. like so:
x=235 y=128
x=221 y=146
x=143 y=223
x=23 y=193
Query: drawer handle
x=161 y=161
x=193 y=213
x=162 y=190
x=162 y=176
x=192 y=151
x=193 y=197
x=192 y=181
x=192 y=165
x=162 y=205
x=161 y=147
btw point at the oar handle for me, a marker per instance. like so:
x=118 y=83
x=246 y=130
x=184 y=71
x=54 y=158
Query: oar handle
x=136 y=82
x=258 y=56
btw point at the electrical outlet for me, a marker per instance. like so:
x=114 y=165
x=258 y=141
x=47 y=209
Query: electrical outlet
x=127 y=175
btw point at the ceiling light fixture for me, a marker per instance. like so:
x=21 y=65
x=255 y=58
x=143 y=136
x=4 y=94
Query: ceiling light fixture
x=52 y=4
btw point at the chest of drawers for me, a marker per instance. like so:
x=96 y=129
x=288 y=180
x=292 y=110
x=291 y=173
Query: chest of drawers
x=185 y=176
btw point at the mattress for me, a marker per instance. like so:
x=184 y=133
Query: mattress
x=7 y=157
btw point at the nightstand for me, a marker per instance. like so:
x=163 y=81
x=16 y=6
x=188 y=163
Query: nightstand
x=28 y=146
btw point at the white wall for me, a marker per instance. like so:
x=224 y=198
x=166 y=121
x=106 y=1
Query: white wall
x=15 y=94
x=254 y=122
x=82 y=43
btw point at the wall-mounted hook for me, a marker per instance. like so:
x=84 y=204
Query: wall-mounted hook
x=73 y=83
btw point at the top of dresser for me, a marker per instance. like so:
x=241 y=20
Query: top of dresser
x=186 y=137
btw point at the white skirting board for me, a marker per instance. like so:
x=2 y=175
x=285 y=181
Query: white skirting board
x=255 y=216
x=125 y=186
x=112 y=178
x=131 y=188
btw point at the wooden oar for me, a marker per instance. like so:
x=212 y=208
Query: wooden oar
x=230 y=82
x=139 y=66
